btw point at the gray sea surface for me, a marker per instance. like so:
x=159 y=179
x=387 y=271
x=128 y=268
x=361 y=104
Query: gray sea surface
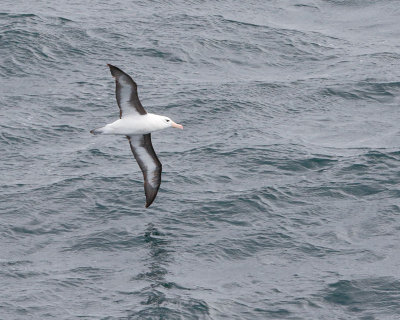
x=279 y=199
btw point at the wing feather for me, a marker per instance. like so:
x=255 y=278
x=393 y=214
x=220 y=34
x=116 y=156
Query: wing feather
x=151 y=167
x=126 y=93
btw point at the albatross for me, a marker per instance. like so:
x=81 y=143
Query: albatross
x=137 y=125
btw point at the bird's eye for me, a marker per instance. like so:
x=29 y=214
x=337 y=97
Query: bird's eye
x=167 y=120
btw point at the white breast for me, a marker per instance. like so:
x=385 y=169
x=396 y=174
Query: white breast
x=131 y=125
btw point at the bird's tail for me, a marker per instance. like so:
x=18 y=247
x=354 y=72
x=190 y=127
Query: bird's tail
x=97 y=131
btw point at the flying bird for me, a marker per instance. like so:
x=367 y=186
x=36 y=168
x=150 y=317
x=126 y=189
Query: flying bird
x=136 y=124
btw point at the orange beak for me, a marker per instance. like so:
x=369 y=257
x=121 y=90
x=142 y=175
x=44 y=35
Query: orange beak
x=176 y=125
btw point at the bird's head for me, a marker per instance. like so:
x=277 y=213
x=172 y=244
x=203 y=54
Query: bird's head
x=167 y=122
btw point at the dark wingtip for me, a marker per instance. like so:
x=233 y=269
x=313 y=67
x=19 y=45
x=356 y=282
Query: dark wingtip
x=148 y=203
x=92 y=131
x=114 y=67
x=114 y=70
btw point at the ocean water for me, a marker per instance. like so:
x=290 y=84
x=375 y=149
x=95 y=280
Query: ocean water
x=279 y=199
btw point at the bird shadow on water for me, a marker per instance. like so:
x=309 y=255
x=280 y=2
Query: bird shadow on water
x=163 y=299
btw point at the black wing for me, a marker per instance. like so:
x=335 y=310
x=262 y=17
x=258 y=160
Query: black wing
x=126 y=93
x=148 y=162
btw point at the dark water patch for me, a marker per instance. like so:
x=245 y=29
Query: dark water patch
x=375 y=157
x=42 y=230
x=160 y=300
x=358 y=168
x=382 y=92
x=308 y=6
x=64 y=128
x=347 y=189
x=66 y=283
x=156 y=273
x=154 y=53
x=15 y=263
x=91 y=273
x=305 y=46
x=60 y=20
x=24 y=47
x=17 y=16
x=382 y=164
x=189 y=309
x=395 y=209
x=11 y=138
x=334 y=192
x=365 y=91
x=318 y=163
x=316 y=250
x=246 y=24
x=239 y=208
x=267 y=199
x=314 y=164
x=341 y=93
x=283 y=196
x=373 y=296
x=21 y=274
x=253 y=311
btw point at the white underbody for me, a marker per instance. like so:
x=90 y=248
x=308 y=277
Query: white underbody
x=134 y=125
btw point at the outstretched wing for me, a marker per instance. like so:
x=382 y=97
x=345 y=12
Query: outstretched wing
x=126 y=93
x=148 y=162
